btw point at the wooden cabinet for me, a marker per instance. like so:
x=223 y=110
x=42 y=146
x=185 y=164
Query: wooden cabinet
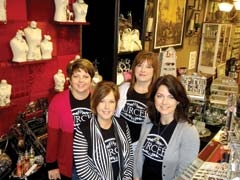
x=100 y=38
x=214 y=47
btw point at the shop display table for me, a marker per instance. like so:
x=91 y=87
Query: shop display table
x=212 y=161
x=214 y=151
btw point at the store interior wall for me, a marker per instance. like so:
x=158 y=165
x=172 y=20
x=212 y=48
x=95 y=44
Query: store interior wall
x=35 y=80
x=191 y=41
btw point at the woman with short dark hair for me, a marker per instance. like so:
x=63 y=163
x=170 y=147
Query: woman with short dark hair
x=66 y=111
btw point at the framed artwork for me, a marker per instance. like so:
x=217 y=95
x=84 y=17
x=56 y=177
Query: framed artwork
x=169 y=26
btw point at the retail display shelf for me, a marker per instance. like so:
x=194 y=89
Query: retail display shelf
x=31 y=62
x=7 y=106
x=71 y=23
x=3 y=22
x=214 y=150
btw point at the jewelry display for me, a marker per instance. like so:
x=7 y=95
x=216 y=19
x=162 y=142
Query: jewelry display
x=3 y=11
x=201 y=127
x=200 y=170
x=214 y=45
x=128 y=37
x=5 y=93
x=97 y=77
x=80 y=9
x=195 y=85
x=221 y=89
x=197 y=110
x=46 y=47
x=234 y=159
x=168 y=62
x=33 y=36
x=19 y=47
x=123 y=71
x=28 y=45
x=129 y=40
x=59 y=80
x=125 y=23
x=214 y=116
x=61 y=7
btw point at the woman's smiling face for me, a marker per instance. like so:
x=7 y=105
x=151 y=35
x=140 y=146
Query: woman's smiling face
x=165 y=103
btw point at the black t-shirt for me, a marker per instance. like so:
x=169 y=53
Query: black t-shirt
x=134 y=112
x=110 y=141
x=80 y=109
x=154 y=150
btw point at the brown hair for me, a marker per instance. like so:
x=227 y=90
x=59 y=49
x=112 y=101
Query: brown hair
x=84 y=64
x=101 y=90
x=152 y=59
x=177 y=90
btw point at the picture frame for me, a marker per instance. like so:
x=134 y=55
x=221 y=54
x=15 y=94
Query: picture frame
x=170 y=22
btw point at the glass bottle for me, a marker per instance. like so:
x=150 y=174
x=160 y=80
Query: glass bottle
x=26 y=164
x=32 y=156
x=19 y=170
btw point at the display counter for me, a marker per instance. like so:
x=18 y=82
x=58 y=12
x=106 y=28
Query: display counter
x=219 y=159
x=215 y=150
x=212 y=161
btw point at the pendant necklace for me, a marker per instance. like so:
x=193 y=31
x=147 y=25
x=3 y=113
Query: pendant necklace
x=157 y=138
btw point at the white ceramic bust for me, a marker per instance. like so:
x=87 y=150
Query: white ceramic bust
x=19 y=47
x=80 y=9
x=77 y=57
x=33 y=36
x=59 y=80
x=46 y=47
x=61 y=7
x=3 y=12
x=5 y=92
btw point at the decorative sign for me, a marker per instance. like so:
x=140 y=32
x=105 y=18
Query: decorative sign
x=169 y=62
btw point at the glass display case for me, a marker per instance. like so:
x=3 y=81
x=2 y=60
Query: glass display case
x=214 y=47
x=195 y=85
x=235 y=41
x=219 y=159
x=221 y=89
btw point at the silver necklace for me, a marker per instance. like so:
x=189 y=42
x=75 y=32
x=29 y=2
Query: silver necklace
x=157 y=138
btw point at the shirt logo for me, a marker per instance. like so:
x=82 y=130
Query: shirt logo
x=154 y=147
x=112 y=149
x=134 y=111
x=81 y=115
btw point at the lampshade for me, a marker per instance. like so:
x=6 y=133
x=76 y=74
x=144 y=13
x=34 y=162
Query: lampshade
x=237 y=5
x=225 y=6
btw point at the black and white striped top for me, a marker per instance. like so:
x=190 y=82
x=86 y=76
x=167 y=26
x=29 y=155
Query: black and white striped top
x=93 y=151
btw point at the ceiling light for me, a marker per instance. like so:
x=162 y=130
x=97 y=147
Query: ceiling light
x=237 y=5
x=225 y=6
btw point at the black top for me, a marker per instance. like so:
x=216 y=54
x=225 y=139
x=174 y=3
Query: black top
x=154 y=149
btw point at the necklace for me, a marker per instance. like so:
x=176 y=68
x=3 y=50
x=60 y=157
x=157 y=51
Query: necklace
x=157 y=138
